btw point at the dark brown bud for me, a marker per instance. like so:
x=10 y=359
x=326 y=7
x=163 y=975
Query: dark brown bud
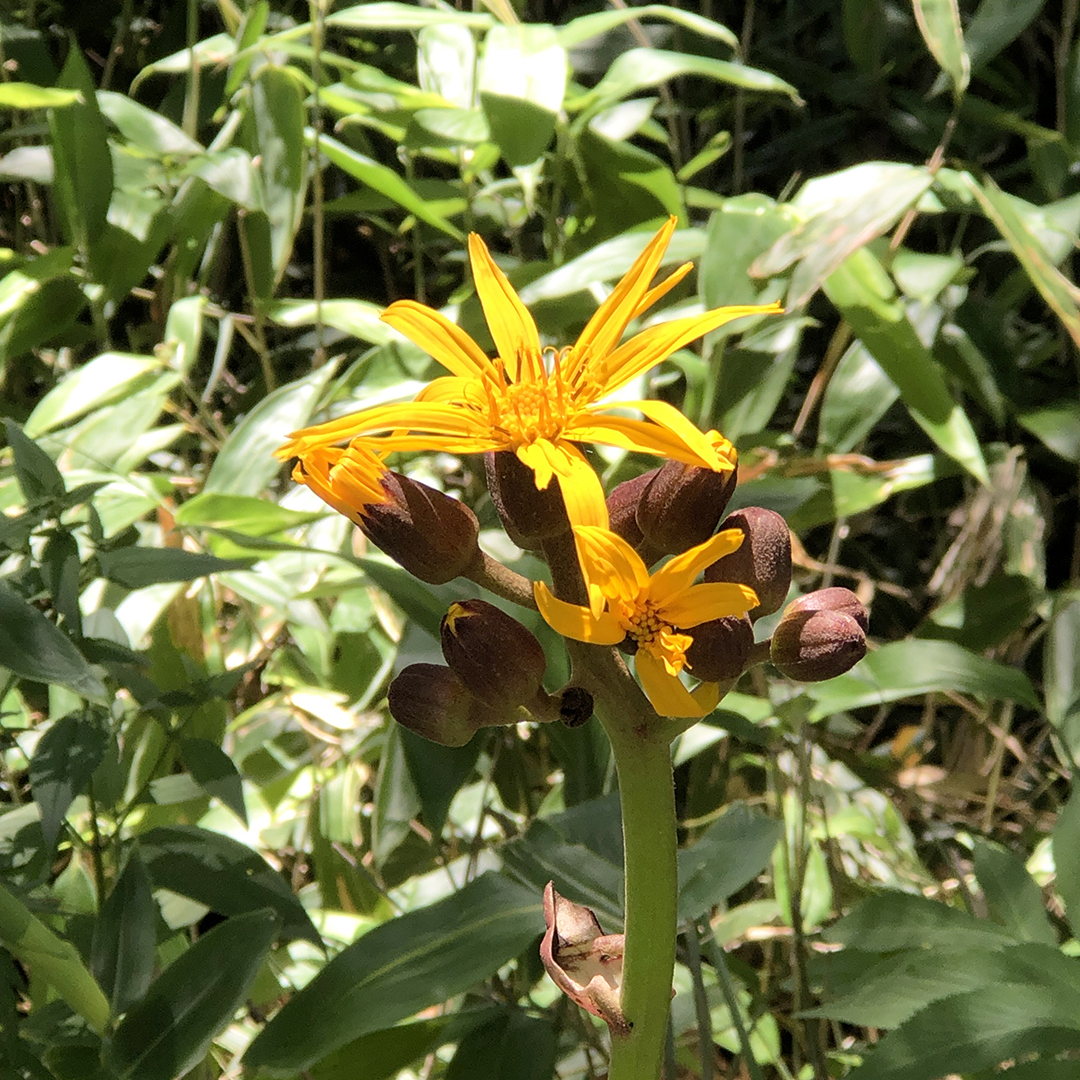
x=763 y=561
x=528 y=514
x=430 y=534
x=622 y=506
x=683 y=505
x=811 y=646
x=575 y=706
x=496 y=658
x=836 y=599
x=720 y=648
x=432 y=701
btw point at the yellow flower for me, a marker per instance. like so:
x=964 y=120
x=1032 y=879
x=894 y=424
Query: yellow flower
x=349 y=480
x=541 y=403
x=653 y=611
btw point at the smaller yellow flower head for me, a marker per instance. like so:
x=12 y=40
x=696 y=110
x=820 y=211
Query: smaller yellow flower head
x=654 y=611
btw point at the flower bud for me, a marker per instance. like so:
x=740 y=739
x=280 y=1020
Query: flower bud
x=432 y=701
x=836 y=599
x=683 y=505
x=529 y=514
x=811 y=646
x=495 y=657
x=763 y=561
x=720 y=649
x=428 y=533
x=622 y=506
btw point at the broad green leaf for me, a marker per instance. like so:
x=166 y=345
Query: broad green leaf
x=246 y=463
x=144 y=128
x=909 y=668
x=983 y=616
x=34 y=648
x=996 y=24
x=137 y=567
x=22 y=95
x=866 y=201
x=637 y=69
x=975 y=1030
x=1056 y=289
x=514 y=1046
x=122 y=956
x=356 y=317
x=28 y=163
x=169 y=1030
x=728 y=855
x=387 y=15
x=939 y=24
x=215 y=773
x=386 y=1053
x=243 y=514
x=1061 y=671
x=407 y=964
x=438 y=773
x=585 y=877
x=183 y=332
x=857 y=397
x=396 y=800
x=1014 y=900
x=36 y=472
x=523 y=74
x=1066 y=839
x=385 y=181
x=579 y=30
x=890 y=921
x=1057 y=427
x=738 y=233
x=37 y=307
x=223 y=874
x=865 y=296
x=64 y=760
x=424 y=604
x=83 y=165
x=212 y=51
x=107 y=378
x=52 y=959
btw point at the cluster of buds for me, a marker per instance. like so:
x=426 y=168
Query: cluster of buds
x=493 y=677
x=820 y=635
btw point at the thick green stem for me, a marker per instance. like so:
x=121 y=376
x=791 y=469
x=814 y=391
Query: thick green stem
x=643 y=759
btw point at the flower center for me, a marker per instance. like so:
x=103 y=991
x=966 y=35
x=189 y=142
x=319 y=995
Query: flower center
x=537 y=406
x=654 y=634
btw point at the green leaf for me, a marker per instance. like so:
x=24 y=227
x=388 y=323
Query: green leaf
x=385 y=181
x=908 y=668
x=83 y=164
x=359 y=318
x=64 y=760
x=1061 y=670
x=21 y=95
x=386 y=1053
x=223 y=874
x=437 y=773
x=424 y=604
x=246 y=463
x=637 y=69
x=1066 y=840
x=523 y=74
x=241 y=514
x=514 y=1046
x=215 y=773
x=997 y=24
x=34 y=648
x=584 y=27
x=857 y=397
x=52 y=959
x=396 y=799
x=169 y=1031
x=1057 y=427
x=122 y=957
x=144 y=128
x=864 y=295
x=386 y=15
x=731 y=852
x=137 y=567
x=1014 y=899
x=939 y=23
x=107 y=378
x=395 y=970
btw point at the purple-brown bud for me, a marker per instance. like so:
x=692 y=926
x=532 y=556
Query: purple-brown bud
x=763 y=561
x=529 y=515
x=497 y=659
x=683 y=505
x=720 y=649
x=432 y=701
x=836 y=599
x=622 y=506
x=430 y=534
x=812 y=645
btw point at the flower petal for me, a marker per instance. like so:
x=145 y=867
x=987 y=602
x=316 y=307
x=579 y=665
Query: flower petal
x=603 y=331
x=512 y=327
x=710 y=600
x=665 y=692
x=661 y=290
x=609 y=561
x=439 y=338
x=574 y=621
x=659 y=341
x=676 y=575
